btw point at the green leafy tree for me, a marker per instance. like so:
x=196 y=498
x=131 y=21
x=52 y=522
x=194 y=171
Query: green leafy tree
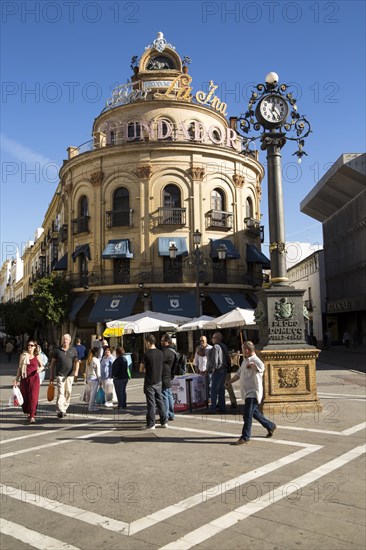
x=51 y=303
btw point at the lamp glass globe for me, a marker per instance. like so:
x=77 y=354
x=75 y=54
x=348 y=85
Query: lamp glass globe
x=272 y=78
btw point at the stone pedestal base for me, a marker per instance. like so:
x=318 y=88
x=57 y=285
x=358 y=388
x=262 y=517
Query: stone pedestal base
x=290 y=380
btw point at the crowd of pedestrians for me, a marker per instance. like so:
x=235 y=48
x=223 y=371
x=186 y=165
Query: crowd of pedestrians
x=108 y=370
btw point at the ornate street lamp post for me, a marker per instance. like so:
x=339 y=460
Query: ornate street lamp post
x=198 y=262
x=272 y=111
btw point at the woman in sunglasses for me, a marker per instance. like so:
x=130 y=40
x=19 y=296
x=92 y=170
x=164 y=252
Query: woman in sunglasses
x=30 y=365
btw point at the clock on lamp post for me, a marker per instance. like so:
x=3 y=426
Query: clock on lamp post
x=272 y=110
x=290 y=383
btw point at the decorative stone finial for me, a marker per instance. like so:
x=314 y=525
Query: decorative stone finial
x=160 y=43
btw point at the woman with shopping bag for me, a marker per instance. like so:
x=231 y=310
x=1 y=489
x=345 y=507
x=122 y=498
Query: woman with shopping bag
x=30 y=365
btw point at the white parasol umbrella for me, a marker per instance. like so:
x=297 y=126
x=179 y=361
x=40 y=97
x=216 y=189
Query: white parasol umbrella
x=237 y=317
x=196 y=324
x=148 y=321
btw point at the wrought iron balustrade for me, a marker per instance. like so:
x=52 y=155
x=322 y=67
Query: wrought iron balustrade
x=218 y=219
x=80 y=225
x=63 y=233
x=119 y=218
x=155 y=276
x=171 y=216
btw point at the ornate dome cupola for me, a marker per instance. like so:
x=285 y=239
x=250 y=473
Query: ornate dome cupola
x=160 y=60
x=159 y=70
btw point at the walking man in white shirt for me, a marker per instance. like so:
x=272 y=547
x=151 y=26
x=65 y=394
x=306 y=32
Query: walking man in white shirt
x=250 y=374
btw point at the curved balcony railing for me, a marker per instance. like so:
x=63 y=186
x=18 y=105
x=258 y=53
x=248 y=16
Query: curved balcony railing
x=184 y=275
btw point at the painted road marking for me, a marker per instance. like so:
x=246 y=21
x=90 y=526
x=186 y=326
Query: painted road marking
x=342 y=394
x=54 y=444
x=46 y=432
x=346 y=432
x=354 y=429
x=170 y=511
x=204 y=496
x=34 y=539
x=222 y=523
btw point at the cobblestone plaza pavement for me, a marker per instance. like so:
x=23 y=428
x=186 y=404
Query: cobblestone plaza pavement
x=96 y=481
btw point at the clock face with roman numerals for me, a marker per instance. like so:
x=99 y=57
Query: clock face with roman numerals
x=272 y=110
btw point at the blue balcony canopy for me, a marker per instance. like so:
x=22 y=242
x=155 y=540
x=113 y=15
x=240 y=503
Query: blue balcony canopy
x=77 y=305
x=231 y=252
x=255 y=256
x=117 y=248
x=81 y=249
x=164 y=244
x=61 y=265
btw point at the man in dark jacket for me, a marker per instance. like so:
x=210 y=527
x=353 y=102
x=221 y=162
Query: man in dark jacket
x=152 y=366
x=217 y=364
x=169 y=355
x=120 y=375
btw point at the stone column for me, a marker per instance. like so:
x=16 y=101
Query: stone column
x=143 y=173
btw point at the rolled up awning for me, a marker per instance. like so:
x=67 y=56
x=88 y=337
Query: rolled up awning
x=117 y=248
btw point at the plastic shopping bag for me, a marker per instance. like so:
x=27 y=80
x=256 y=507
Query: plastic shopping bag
x=100 y=397
x=16 y=398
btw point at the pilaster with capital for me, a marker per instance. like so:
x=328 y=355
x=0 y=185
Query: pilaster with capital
x=143 y=172
x=238 y=181
x=96 y=178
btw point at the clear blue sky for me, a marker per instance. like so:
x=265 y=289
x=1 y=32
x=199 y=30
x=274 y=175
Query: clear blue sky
x=60 y=60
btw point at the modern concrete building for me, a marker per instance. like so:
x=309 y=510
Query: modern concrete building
x=338 y=201
x=308 y=274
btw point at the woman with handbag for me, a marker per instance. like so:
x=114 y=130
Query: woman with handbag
x=30 y=365
x=93 y=377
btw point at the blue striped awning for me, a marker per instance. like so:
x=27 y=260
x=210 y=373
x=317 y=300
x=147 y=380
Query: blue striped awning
x=226 y=301
x=77 y=305
x=110 y=307
x=117 y=248
x=165 y=243
x=255 y=256
x=231 y=252
x=81 y=249
x=61 y=265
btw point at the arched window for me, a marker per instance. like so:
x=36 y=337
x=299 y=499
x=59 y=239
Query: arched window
x=171 y=212
x=172 y=196
x=133 y=131
x=81 y=223
x=217 y=200
x=165 y=129
x=249 y=208
x=120 y=215
x=83 y=206
x=121 y=199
